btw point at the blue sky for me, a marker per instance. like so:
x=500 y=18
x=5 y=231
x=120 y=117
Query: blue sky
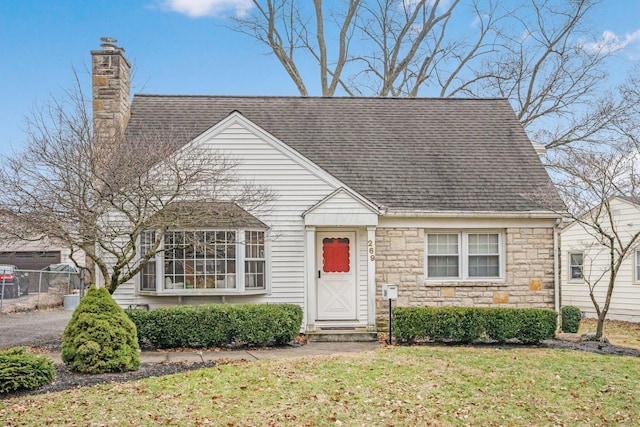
x=175 y=46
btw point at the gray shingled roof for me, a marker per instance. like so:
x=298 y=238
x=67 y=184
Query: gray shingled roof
x=184 y=214
x=401 y=153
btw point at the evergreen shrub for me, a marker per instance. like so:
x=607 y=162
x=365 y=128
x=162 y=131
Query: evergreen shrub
x=218 y=325
x=100 y=337
x=571 y=317
x=468 y=324
x=21 y=370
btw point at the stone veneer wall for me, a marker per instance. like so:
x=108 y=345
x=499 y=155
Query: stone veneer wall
x=529 y=278
x=111 y=75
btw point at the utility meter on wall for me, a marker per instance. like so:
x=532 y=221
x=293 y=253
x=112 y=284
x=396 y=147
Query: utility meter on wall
x=389 y=291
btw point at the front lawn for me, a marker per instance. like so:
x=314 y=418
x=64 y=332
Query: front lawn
x=391 y=386
x=624 y=334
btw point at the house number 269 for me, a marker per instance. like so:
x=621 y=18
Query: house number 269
x=372 y=251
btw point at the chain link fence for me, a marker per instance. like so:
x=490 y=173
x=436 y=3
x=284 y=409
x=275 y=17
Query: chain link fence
x=22 y=290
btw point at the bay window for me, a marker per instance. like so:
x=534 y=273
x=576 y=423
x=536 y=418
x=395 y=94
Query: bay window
x=148 y=273
x=205 y=261
x=464 y=255
x=254 y=264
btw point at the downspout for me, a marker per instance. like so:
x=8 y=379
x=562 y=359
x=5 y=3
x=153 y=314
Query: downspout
x=556 y=271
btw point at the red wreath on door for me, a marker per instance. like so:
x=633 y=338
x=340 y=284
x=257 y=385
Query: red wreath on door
x=335 y=255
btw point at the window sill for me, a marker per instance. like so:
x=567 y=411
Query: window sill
x=496 y=281
x=201 y=292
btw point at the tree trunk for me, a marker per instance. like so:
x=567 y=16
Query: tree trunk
x=600 y=327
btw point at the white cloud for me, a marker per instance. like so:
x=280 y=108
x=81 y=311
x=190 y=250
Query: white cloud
x=611 y=42
x=200 y=8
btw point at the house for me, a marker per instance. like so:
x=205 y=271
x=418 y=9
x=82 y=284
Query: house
x=584 y=259
x=432 y=195
x=34 y=255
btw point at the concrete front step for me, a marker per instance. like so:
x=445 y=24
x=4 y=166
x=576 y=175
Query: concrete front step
x=347 y=335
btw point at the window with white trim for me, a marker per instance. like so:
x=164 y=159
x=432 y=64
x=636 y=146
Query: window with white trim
x=254 y=263
x=148 y=273
x=484 y=255
x=443 y=255
x=637 y=266
x=206 y=261
x=576 y=260
x=464 y=255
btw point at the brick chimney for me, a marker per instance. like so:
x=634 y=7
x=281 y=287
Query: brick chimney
x=111 y=74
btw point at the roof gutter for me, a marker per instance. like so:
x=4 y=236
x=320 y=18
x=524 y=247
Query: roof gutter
x=404 y=213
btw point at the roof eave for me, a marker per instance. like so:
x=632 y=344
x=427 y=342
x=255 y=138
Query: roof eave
x=420 y=213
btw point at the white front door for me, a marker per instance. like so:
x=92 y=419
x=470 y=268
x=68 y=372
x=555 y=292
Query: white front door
x=336 y=275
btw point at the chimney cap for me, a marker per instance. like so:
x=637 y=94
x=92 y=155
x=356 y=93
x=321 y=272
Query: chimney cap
x=109 y=43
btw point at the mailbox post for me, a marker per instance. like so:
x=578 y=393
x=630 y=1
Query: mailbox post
x=390 y=292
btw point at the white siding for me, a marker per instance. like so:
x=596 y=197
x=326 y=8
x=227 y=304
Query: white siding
x=341 y=208
x=298 y=188
x=362 y=276
x=625 y=301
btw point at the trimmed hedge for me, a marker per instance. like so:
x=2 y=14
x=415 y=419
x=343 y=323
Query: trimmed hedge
x=571 y=317
x=100 y=337
x=21 y=370
x=468 y=324
x=217 y=325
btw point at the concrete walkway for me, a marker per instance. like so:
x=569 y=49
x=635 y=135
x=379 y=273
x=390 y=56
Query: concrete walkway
x=38 y=327
x=307 y=350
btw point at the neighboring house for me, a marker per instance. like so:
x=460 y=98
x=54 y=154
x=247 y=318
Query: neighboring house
x=433 y=195
x=33 y=255
x=583 y=258
x=35 y=252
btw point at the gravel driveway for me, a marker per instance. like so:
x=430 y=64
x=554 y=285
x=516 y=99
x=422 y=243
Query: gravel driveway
x=33 y=327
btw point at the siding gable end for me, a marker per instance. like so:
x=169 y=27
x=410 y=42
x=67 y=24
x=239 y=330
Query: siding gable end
x=342 y=208
x=237 y=122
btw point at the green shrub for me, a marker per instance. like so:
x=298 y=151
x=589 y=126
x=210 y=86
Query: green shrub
x=537 y=325
x=571 y=317
x=459 y=324
x=447 y=324
x=100 y=337
x=466 y=324
x=217 y=325
x=413 y=323
x=501 y=324
x=21 y=370
x=260 y=325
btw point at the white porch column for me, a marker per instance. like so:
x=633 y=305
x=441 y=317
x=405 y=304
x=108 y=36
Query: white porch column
x=371 y=278
x=310 y=302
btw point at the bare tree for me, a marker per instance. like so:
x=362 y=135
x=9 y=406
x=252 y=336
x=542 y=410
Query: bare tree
x=548 y=71
x=537 y=53
x=99 y=199
x=589 y=180
x=626 y=121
